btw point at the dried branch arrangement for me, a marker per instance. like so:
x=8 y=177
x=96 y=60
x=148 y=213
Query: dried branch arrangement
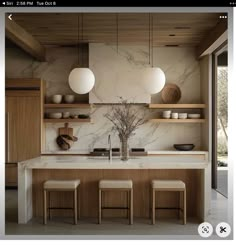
x=125 y=118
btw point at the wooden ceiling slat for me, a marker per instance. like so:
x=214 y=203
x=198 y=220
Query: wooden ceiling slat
x=62 y=28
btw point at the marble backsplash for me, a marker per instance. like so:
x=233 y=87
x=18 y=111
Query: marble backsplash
x=151 y=136
x=120 y=73
x=179 y=65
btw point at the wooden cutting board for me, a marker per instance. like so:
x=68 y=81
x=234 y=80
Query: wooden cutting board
x=66 y=130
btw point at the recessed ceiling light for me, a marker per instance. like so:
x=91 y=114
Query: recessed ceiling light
x=182 y=27
x=171 y=45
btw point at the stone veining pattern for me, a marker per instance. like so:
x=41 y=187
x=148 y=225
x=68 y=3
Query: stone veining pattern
x=117 y=74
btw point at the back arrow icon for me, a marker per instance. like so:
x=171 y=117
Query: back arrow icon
x=9 y=17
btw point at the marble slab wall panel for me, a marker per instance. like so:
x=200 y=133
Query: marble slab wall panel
x=119 y=73
x=179 y=65
x=55 y=71
x=151 y=136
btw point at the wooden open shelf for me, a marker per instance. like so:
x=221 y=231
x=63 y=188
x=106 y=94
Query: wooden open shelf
x=67 y=105
x=177 y=106
x=67 y=120
x=162 y=120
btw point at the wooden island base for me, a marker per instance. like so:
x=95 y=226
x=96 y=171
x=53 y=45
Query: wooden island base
x=193 y=179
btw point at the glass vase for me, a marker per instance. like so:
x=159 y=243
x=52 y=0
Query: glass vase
x=124 y=149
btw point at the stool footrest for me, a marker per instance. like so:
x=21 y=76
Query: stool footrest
x=169 y=208
x=59 y=208
x=115 y=208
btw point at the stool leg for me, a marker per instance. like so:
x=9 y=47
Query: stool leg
x=49 y=205
x=150 y=204
x=128 y=204
x=45 y=206
x=184 y=205
x=75 y=206
x=78 y=189
x=131 y=207
x=153 y=206
x=99 y=206
x=179 y=211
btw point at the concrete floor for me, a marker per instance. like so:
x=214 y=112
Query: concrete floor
x=222 y=181
x=110 y=228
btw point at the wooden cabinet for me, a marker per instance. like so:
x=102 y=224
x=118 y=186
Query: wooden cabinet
x=23 y=118
x=11 y=174
x=11 y=129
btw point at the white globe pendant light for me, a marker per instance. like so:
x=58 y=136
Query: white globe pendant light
x=81 y=80
x=153 y=80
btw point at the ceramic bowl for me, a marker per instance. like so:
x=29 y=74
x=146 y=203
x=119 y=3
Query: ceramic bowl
x=184 y=147
x=194 y=115
x=69 y=98
x=55 y=115
x=57 y=98
x=183 y=115
x=174 y=115
x=65 y=114
x=83 y=116
x=166 y=112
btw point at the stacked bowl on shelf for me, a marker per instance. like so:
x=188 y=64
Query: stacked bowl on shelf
x=57 y=98
x=175 y=115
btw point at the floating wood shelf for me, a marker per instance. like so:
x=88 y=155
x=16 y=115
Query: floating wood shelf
x=67 y=120
x=162 y=120
x=67 y=105
x=176 y=106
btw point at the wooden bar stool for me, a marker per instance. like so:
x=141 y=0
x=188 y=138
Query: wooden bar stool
x=61 y=185
x=116 y=185
x=168 y=185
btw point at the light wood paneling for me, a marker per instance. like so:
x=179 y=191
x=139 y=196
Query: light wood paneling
x=11 y=175
x=67 y=105
x=177 y=106
x=28 y=127
x=11 y=130
x=23 y=83
x=213 y=35
x=23 y=39
x=67 y=120
x=162 y=120
x=141 y=185
x=183 y=29
x=23 y=119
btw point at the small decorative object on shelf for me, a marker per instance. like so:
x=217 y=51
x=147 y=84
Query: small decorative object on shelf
x=57 y=98
x=170 y=94
x=69 y=98
x=126 y=119
x=184 y=147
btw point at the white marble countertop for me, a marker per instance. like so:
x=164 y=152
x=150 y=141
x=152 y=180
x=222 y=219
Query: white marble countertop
x=148 y=152
x=146 y=162
x=177 y=152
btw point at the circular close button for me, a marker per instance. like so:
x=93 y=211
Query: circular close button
x=205 y=230
x=223 y=230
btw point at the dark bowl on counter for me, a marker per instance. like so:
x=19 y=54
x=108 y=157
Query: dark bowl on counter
x=184 y=147
x=83 y=116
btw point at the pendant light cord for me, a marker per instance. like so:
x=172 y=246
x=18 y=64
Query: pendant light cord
x=78 y=39
x=152 y=38
x=117 y=30
x=82 y=37
x=149 y=41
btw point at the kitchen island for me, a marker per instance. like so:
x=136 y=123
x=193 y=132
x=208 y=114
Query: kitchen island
x=192 y=167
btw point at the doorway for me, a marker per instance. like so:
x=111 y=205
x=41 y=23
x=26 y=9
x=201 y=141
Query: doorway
x=220 y=118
